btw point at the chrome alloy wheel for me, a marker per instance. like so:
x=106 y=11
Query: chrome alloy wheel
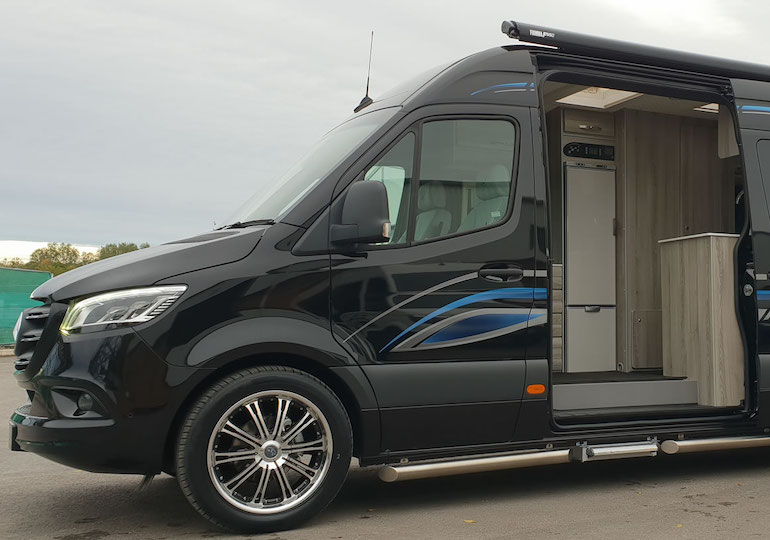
x=269 y=452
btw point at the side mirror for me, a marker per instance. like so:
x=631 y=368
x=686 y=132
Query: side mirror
x=365 y=216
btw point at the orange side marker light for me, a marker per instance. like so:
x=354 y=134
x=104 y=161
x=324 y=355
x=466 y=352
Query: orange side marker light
x=536 y=389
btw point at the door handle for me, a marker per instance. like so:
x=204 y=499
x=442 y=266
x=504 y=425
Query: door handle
x=507 y=273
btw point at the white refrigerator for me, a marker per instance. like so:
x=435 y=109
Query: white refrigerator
x=589 y=268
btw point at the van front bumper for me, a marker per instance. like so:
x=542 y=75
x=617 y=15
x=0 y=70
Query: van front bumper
x=88 y=444
x=125 y=423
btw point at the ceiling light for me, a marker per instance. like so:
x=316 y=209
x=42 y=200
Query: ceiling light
x=709 y=107
x=598 y=98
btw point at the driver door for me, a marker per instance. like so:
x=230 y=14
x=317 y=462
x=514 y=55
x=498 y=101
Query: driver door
x=439 y=317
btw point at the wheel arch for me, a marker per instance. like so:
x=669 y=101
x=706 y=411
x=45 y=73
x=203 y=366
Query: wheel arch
x=348 y=382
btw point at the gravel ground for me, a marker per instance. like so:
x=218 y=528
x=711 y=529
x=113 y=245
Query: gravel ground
x=701 y=496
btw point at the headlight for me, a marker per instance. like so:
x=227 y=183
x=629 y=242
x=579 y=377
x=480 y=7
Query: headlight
x=119 y=308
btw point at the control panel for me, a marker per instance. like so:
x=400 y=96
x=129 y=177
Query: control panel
x=589 y=151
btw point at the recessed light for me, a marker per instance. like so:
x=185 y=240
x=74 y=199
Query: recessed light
x=598 y=98
x=709 y=108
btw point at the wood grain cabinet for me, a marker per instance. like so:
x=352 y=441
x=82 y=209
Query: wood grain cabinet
x=701 y=338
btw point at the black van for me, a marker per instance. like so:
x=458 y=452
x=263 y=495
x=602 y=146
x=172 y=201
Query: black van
x=535 y=255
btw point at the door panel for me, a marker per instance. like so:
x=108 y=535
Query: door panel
x=753 y=113
x=590 y=339
x=752 y=99
x=428 y=401
x=590 y=260
x=444 y=347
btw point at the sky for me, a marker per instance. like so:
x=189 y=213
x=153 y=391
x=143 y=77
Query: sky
x=149 y=120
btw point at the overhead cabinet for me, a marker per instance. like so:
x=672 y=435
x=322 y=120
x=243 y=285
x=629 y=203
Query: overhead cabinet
x=592 y=123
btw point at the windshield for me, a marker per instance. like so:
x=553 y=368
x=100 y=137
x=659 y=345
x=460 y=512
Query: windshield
x=330 y=151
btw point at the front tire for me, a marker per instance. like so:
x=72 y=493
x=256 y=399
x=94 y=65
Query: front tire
x=264 y=449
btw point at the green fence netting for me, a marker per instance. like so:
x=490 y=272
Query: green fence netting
x=15 y=288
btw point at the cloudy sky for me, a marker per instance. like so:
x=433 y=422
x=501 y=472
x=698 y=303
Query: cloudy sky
x=149 y=120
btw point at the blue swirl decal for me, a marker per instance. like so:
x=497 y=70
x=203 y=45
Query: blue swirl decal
x=506 y=87
x=477 y=325
x=515 y=319
x=754 y=109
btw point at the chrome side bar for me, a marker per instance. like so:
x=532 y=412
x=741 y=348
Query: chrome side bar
x=708 y=445
x=397 y=473
x=586 y=452
x=581 y=453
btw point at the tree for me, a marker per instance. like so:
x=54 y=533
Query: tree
x=54 y=258
x=88 y=258
x=58 y=258
x=54 y=253
x=15 y=262
x=110 y=250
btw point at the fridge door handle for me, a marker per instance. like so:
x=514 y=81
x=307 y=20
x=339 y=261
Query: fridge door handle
x=593 y=309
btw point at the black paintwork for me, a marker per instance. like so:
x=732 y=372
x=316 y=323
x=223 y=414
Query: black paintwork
x=280 y=294
x=147 y=266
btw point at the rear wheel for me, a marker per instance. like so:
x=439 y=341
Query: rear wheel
x=264 y=449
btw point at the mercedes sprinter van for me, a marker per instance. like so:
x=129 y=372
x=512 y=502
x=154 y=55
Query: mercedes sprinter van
x=547 y=252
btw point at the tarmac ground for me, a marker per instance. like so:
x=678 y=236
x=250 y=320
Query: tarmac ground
x=697 y=496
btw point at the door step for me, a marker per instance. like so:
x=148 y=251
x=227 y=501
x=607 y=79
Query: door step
x=600 y=452
x=602 y=395
x=581 y=453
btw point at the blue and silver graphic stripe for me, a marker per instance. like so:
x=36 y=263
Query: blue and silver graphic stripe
x=506 y=87
x=754 y=109
x=473 y=326
x=442 y=285
x=517 y=293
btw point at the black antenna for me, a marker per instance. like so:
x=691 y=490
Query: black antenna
x=367 y=100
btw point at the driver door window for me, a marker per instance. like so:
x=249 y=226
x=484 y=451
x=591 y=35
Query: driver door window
x=464 y=183
x=465 y=176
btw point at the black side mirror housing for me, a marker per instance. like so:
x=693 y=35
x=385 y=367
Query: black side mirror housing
x=365 y=215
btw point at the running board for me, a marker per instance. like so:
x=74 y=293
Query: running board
x=600 y=452
x=709 y=445
x=581 y=452
x=397 y=473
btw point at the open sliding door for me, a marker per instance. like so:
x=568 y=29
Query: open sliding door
x=753 y=114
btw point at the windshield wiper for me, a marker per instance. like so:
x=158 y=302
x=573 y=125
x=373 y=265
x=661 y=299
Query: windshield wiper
x=250 y=223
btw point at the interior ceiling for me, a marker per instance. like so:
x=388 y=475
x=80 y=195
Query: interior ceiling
x=645 y=102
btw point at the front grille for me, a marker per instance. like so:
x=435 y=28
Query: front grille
x=33 y=322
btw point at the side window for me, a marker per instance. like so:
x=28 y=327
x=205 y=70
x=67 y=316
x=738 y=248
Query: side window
x=395 y=170
x=465 y=176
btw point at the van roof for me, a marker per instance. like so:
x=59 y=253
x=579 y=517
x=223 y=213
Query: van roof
x=610 y=49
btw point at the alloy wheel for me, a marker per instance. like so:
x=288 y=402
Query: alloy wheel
x=269 y=452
